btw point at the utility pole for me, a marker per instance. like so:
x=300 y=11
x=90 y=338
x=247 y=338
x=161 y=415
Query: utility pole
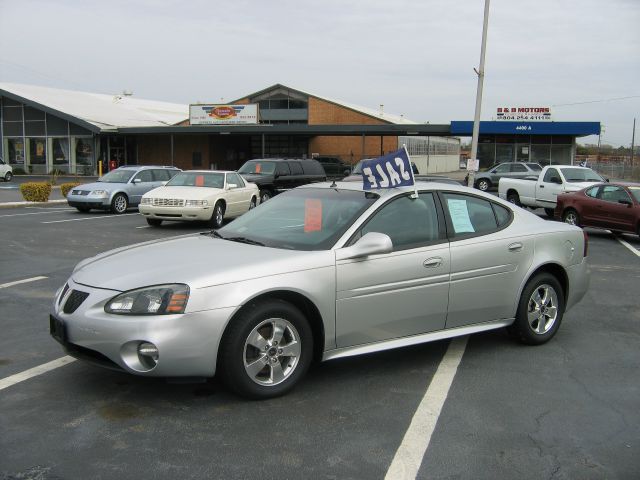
x=633 y=139
x=476 y=119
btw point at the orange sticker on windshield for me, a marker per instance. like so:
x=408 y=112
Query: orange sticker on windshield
x=312 y=215
x=200 y=181
x=258 y=167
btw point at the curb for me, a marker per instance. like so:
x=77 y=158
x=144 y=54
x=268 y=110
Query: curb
x=25 y=204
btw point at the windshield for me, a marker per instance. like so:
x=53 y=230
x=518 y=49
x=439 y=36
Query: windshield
x=301 y=219
x=258 y=167
x=580 y=175
x=117 y=176
x=535 y=166
x=197 y=179
x=635 y=191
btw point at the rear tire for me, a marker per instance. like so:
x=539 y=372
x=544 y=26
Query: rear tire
x=571 y=217
x=265 y=195
x=540 y=310
x=266 y=349
x=119 y=204
x=514 y=198
x=154 y=222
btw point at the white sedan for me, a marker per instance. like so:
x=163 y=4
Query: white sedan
x=201 y=195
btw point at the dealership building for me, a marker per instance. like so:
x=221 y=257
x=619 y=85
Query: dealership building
x=44 y=129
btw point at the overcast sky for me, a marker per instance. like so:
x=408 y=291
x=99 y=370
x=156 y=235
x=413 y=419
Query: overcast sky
x=581 y=57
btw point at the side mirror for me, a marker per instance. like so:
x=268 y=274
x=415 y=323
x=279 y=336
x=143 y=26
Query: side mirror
x=137 y=180
x=606 y=179
x=555 y=180
x=370 y=244
x=625 y=201
x=231 y=185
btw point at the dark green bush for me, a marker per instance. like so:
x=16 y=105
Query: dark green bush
x=66 y=187
x=35 y=191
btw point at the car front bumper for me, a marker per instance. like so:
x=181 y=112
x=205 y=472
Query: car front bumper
x=89 y=201
x=176 y=213
x=187 y=343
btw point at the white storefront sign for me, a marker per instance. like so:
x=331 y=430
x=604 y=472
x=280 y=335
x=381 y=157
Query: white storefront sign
x=223 y=114
x=529 y=114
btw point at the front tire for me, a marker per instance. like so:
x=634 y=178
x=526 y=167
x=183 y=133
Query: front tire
x=8 y=176
x=253 y=203
x=266 y=349
x=217 y=217
x=119 y=204
x=154 y=222
x=483 y=184
x=549 y=212
x=540 y=310
x=571 y=217
x=83 y=209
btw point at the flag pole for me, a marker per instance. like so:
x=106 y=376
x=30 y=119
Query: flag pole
x=415 y=188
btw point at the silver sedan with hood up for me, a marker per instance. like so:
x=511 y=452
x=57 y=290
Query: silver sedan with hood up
x=321 y=272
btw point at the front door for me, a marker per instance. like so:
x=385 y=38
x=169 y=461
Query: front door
x=401 y=293
x=549 y=188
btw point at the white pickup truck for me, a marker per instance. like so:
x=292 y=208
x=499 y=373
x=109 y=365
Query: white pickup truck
x=543 y=191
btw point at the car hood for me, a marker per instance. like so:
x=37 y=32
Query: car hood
x=177 y=192
x=255 y=178
x=575 y=186
x=99 y=186
x=197 y=260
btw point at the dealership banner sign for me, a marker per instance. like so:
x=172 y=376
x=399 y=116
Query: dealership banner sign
x=223 y=114
x=529 y=114
x=391 y=170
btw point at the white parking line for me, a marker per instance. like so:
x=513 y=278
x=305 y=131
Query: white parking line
x=35 y=371
x=18 y=282
x=91 y=218
x=52 y=210
x=408 y=457
x=629 y=246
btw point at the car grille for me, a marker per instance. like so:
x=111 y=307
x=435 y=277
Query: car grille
x=74 y=301
x=167 y=202
x=80 y=192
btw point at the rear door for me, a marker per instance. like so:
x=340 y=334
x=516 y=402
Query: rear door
x=238 y=195
x=397 y=294
x=488 y=259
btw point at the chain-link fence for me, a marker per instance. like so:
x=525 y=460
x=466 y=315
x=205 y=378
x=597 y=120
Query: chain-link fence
x=617 y=170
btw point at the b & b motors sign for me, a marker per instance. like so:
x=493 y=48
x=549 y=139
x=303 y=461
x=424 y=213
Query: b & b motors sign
x=529 y=114
x=223 y=114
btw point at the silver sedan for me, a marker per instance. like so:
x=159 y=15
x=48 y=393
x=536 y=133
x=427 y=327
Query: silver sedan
x=322 y=272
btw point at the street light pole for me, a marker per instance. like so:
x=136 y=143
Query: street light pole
x=476 y=118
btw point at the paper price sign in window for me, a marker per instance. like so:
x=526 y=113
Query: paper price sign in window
x=312 y=215
x=460 y=216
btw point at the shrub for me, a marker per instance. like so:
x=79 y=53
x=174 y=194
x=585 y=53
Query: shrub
x=35 y=191
x=65 y=187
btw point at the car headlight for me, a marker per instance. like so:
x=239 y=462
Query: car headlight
x=196 y=203
x=156 y=300
x=146 y=201
x=99 y=193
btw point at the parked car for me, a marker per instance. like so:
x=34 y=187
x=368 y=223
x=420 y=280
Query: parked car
x=6 y=171
x=317 y=273
x=490 y=178
x=120 y=188
x=615 y=206
x=552 y=181
x=356 y=175
x=203 y=195
x=334 y=167
x=275 y=175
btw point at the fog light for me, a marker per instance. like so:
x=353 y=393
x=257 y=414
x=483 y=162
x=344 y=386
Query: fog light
x=148 y=354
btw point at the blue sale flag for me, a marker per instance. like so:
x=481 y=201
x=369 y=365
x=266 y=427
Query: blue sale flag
x=389 y=171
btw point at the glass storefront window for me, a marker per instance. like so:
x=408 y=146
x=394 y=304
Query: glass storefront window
x=60 y=150
x=561 y=154
x=504 y=152
x=15 y=152
x=486 y=154
x=541 y=154
x=37 y=159
x=84 y=155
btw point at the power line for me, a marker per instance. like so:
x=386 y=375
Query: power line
x=596 y=101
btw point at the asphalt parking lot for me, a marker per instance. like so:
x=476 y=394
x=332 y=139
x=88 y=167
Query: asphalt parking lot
x=569 y=409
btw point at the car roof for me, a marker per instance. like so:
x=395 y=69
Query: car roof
x=143 y=167
x=208 y=171
x=358 y=187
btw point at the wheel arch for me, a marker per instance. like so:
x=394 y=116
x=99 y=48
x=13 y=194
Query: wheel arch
x=300 y=301
x=554 y=269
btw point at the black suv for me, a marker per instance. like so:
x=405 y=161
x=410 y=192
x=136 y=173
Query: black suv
x=273 y=175
x=334 y=167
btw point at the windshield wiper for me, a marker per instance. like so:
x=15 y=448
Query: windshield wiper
x=245 y=240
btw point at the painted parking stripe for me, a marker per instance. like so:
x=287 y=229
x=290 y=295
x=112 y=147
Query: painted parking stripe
x=35 y=371
x=629 y=246
x=91 y=218
x=18 y=282
x=408 y=457
x=49 y=210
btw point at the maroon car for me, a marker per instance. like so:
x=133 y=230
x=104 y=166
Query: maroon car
x=615 y=206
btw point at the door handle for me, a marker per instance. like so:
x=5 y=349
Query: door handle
x=541 y=186
x=432 y=262
x=515 y=247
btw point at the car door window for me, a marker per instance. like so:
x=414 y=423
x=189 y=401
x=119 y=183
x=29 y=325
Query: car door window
x=471 y=216
x=550 y=173
x=518 y=168
x=161 y=175
x=144 y=176
x=592 y=192
x=235 y=179
x=296 y=168
x=505 y=168
x=409 y=222
x=613 y=194
x=282 y=169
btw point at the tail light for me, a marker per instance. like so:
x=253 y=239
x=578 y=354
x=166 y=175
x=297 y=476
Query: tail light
x=586 y=243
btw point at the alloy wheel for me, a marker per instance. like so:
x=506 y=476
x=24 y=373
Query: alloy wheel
x=542 y=311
